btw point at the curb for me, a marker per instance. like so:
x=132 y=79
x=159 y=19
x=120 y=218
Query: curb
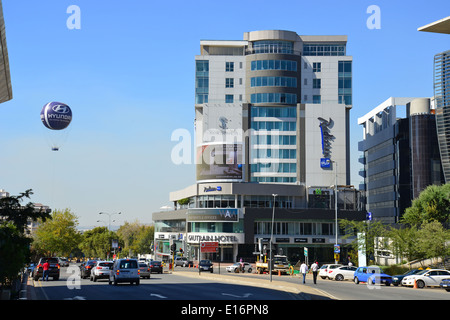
x=306 y=293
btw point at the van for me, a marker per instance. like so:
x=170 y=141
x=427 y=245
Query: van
x=124 y=270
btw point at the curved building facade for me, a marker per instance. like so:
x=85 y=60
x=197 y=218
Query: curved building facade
x=442 y=100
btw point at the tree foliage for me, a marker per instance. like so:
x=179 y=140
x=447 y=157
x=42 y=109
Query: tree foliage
x=59 y=235
x=137 y=238
x=14 y=239
x=97 y=242
x=433 y=204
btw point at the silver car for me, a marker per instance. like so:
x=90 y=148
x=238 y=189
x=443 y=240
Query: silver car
x=144 y=270
x=101 y=270
x=124 y=270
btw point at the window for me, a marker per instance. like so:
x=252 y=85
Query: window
x=287 y=65
x=317 y=67
x=289 y=82
x=312 y=49
x=317 y=83
x=229 y=83
x=229 y=98
x=317 y=99
x=229 y=66
x=201 y=81
x=273 y=46
x=345 y=82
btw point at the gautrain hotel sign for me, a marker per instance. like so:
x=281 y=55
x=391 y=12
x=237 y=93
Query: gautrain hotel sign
x=327 y=138
x=214 y=215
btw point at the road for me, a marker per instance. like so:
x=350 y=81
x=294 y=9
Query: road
x=159 y=287
x=188 y=284
x=342 y=290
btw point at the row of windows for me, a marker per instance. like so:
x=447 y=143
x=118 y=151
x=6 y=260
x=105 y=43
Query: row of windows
x=274 y=153
x=277 y=112
x=273 y=46
x=323 y=50
x=289 y=82
x=274 y=179
x=274 y=140
x=274 y=125
x=286 y=65
x=288 y=98
x=295 y=228
x=274 y=167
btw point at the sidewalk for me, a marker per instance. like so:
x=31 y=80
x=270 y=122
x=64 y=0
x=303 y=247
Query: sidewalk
x=306 y=292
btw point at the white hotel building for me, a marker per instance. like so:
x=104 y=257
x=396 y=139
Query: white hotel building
x=272 y=129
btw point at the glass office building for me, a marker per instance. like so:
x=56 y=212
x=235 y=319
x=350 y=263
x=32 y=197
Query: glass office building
x=442 y=100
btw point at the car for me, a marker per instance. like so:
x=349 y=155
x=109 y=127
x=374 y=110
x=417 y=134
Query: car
x=156 y=266
x=397 y=279
x=101 y=270
x=445 y=284
x=342 y=273
x=125 y=270
x=426 y=278
x=63 y=262
x=237 y=265
x=180 y=261
x=205 y=265
x=85 y=268
x=54 y=268
x=371 y=275
x=144 y=270
x=324 y=270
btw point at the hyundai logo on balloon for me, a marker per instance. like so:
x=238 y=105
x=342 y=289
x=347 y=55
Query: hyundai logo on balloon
x=56 y=115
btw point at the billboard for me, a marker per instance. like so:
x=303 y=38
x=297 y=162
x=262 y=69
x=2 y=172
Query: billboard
x=219 y=161
x=213 y=215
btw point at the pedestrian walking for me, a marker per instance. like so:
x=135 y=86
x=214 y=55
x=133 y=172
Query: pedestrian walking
x=303 y=270
x=45 y=270
x=315 y=269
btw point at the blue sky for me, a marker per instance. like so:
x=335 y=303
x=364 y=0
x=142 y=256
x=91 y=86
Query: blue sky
x=128 y=75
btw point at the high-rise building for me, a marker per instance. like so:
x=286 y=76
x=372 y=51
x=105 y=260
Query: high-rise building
x=275 y=94
x=272 y=130
x=442 y=94
x=400 y=156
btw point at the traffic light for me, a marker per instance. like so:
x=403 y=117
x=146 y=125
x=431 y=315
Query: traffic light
x=173 y=248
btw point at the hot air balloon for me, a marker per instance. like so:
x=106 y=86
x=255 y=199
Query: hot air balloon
x=56 y=116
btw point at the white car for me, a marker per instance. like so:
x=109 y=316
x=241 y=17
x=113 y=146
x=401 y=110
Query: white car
x=342 y=273
x=324 y=270
x=426 y=278
x=101 y=270
x=236 y=266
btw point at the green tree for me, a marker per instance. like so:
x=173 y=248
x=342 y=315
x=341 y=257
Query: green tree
x=432 y=204
x=14 y=234
x=368 y=233
x=59 y=235
x=97 y=242
x=404 y=242
x=137 y=238
x=433 y=240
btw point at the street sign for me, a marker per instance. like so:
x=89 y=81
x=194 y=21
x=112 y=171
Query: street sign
x=369 y=216
x=337 y=248
x=305 y=251
x=211 y=247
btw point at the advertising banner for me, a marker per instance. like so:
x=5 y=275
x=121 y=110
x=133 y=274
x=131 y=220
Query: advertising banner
x=219 y=162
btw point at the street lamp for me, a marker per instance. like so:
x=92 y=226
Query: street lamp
x=335 y=207
x=109 y=215
x=271 y=236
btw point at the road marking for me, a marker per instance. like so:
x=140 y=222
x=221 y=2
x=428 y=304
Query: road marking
x=235 y=296
x=76 y=298
x=157 y=295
